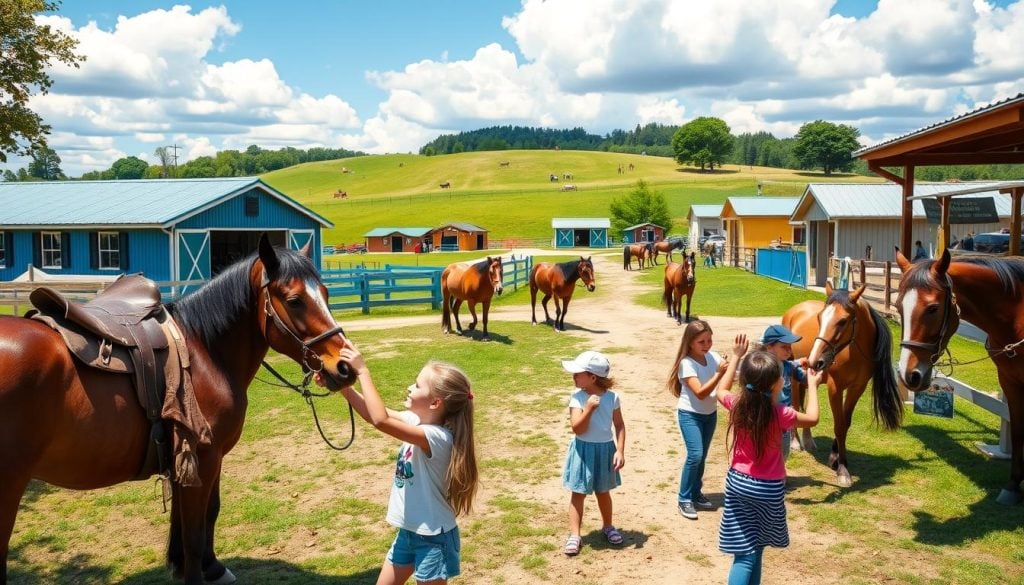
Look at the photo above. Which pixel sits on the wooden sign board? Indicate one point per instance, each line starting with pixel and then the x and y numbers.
pixel 963 210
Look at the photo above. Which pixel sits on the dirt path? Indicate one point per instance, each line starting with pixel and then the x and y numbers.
pixel 661 546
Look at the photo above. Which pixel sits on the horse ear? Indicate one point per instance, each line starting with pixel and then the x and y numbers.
pixel 902 261
pixel 268 256
pixel 856 294
pixel 828 288
pixel 942 264
pixel 305 251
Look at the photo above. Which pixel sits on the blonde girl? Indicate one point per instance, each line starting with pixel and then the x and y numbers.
pixel 694 376
pixel 436 474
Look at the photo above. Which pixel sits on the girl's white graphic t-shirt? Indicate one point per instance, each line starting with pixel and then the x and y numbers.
pixel 418 501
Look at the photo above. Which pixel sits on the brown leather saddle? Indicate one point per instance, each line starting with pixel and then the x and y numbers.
pixel 120 331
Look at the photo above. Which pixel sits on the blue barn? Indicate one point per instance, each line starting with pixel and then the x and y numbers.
pixel 172 229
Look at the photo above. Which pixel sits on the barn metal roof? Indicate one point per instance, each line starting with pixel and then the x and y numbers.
pixel 580 222
pixel 412 232
pixel 464 227
pixel 639 225
pixel 705 211
pixel 140 203
pixel 762 206
pixel 884 200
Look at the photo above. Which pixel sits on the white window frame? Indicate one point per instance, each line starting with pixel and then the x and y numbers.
pixel 3 249
pixel 51 257
pixel 104 254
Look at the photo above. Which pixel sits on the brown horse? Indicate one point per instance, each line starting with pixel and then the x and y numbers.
pixel 642 252
pixel 559 281
pixel 680 281
pixel 849 341
pixel 72 426
pixel 986 291
pixel 473 283
pixel 666 247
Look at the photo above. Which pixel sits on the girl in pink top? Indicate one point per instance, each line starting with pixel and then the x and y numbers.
pixel 754 514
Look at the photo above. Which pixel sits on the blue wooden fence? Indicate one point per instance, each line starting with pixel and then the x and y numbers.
pixel 789 266
pixel 404 285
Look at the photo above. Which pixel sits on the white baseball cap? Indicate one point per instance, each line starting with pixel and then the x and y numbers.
pixel 588 361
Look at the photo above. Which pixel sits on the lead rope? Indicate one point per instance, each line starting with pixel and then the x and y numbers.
pixel 308 396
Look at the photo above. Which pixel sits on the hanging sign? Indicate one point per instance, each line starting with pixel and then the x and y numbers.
pixel 963 210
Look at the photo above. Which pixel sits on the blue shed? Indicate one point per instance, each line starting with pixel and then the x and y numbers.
pixel 168 229
pixel 581 232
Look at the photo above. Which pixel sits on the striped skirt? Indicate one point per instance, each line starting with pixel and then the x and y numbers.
pixel 588 467
pixel 754 514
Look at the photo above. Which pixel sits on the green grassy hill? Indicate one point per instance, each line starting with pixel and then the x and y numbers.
pixel 517 201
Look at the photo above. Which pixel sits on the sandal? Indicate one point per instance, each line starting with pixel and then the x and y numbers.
pixel 573 545
pixel 613 536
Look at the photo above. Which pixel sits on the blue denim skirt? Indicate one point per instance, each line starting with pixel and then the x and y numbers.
pixel 588 467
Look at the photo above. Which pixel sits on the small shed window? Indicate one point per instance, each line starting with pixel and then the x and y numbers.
pixel 252 206
pixel 50 245
pixel 799 235
pixel 109 250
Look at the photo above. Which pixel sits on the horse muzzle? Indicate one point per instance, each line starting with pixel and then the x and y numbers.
pixel 498 291
pixel 337 376
pixel 591 287
pixel 917 378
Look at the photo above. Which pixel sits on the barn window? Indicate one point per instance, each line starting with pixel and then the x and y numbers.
pixel 252 206
pixel 384 241
pixel 109 251
pixel 3 250
pixel 50 245
pixel 799 235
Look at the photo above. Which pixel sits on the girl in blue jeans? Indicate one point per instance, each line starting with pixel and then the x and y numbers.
pixel 693 379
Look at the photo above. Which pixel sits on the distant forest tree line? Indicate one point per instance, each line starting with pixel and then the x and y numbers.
pixel 748 149
pixel 45 164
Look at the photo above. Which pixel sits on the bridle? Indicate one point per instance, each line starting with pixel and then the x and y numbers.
pixel 495 274
pixel 936 348
pixel 305 346
pixel 832 349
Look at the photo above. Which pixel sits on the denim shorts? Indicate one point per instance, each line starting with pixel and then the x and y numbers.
pixel 434 556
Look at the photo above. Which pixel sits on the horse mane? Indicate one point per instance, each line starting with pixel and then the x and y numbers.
pixel 482 266
pixel 570 269
pixel 842 297
pixel 1009 271
pixel 217 306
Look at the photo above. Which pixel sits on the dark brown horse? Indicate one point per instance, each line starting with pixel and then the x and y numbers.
pixel 559 281
pixel 680 281
pixel 986 291
pixel 849 341
pixel 473 283
pixel 642 252
pixel 76 427
pixel 666 247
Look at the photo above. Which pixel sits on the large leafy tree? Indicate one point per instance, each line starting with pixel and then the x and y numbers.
pixel 129 167
pixel 26 50
pixel 826 145
pixel 705 142
pixel 641 205
pixel 45 165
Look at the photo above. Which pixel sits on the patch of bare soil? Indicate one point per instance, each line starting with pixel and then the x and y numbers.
pixel 661 546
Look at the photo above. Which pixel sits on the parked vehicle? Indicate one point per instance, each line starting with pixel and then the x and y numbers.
pixel 994 243
pixel 357 249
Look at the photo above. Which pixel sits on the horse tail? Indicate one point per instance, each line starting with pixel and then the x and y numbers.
pixel 666 297
pixel 888 407
pixel 446 305
pixel 625 257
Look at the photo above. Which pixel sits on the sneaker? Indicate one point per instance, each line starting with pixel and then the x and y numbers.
pixel 702 503
pixel 687 510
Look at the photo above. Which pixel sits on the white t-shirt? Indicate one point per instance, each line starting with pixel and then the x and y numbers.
pixel 417 499
pixel 600 429
pixel 690 368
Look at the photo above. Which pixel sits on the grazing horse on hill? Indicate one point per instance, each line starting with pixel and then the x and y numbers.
pixel 445 185
pixel 642 252
pixel 667 247
pixel 83 426
pixel 849 341
pixel 680 281
pixel 474 283
pixel 559 281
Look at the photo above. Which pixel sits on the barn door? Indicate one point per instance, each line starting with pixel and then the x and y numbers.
pixel 299 238
pixel 598 238
pixel 193 251
pixel 563 238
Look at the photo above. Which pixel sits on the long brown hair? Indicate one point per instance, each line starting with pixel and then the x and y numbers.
pixel 450 384
pixel 693 329
pixel 754 412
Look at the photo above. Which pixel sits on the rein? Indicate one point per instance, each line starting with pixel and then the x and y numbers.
pixel 303 389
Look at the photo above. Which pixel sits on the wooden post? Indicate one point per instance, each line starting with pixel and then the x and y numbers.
pixel 907 224
pixel 364 293
pixel 863 273
pixel 1015 197
pixel 435 290
pixel 888 287
pixel 943 243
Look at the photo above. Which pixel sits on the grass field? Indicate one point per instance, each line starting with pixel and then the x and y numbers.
pixel 517 201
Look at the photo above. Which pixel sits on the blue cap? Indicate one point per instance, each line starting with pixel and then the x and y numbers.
pixel 777 334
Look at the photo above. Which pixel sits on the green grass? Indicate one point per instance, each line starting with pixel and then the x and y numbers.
pixel 513 202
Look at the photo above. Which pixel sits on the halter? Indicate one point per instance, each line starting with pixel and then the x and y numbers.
pixel 303 389
pixel 936 348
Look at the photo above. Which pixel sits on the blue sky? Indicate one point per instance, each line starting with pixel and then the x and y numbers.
pixel 388 76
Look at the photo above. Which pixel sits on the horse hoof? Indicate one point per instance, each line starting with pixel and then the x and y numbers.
pixel 844 480
pixel 795 446
pixel 1008 497
pixel 226 579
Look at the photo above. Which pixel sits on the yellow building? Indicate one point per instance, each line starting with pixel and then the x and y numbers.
pixel 757 222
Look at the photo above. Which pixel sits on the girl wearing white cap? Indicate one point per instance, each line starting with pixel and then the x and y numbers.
pixel 597 450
